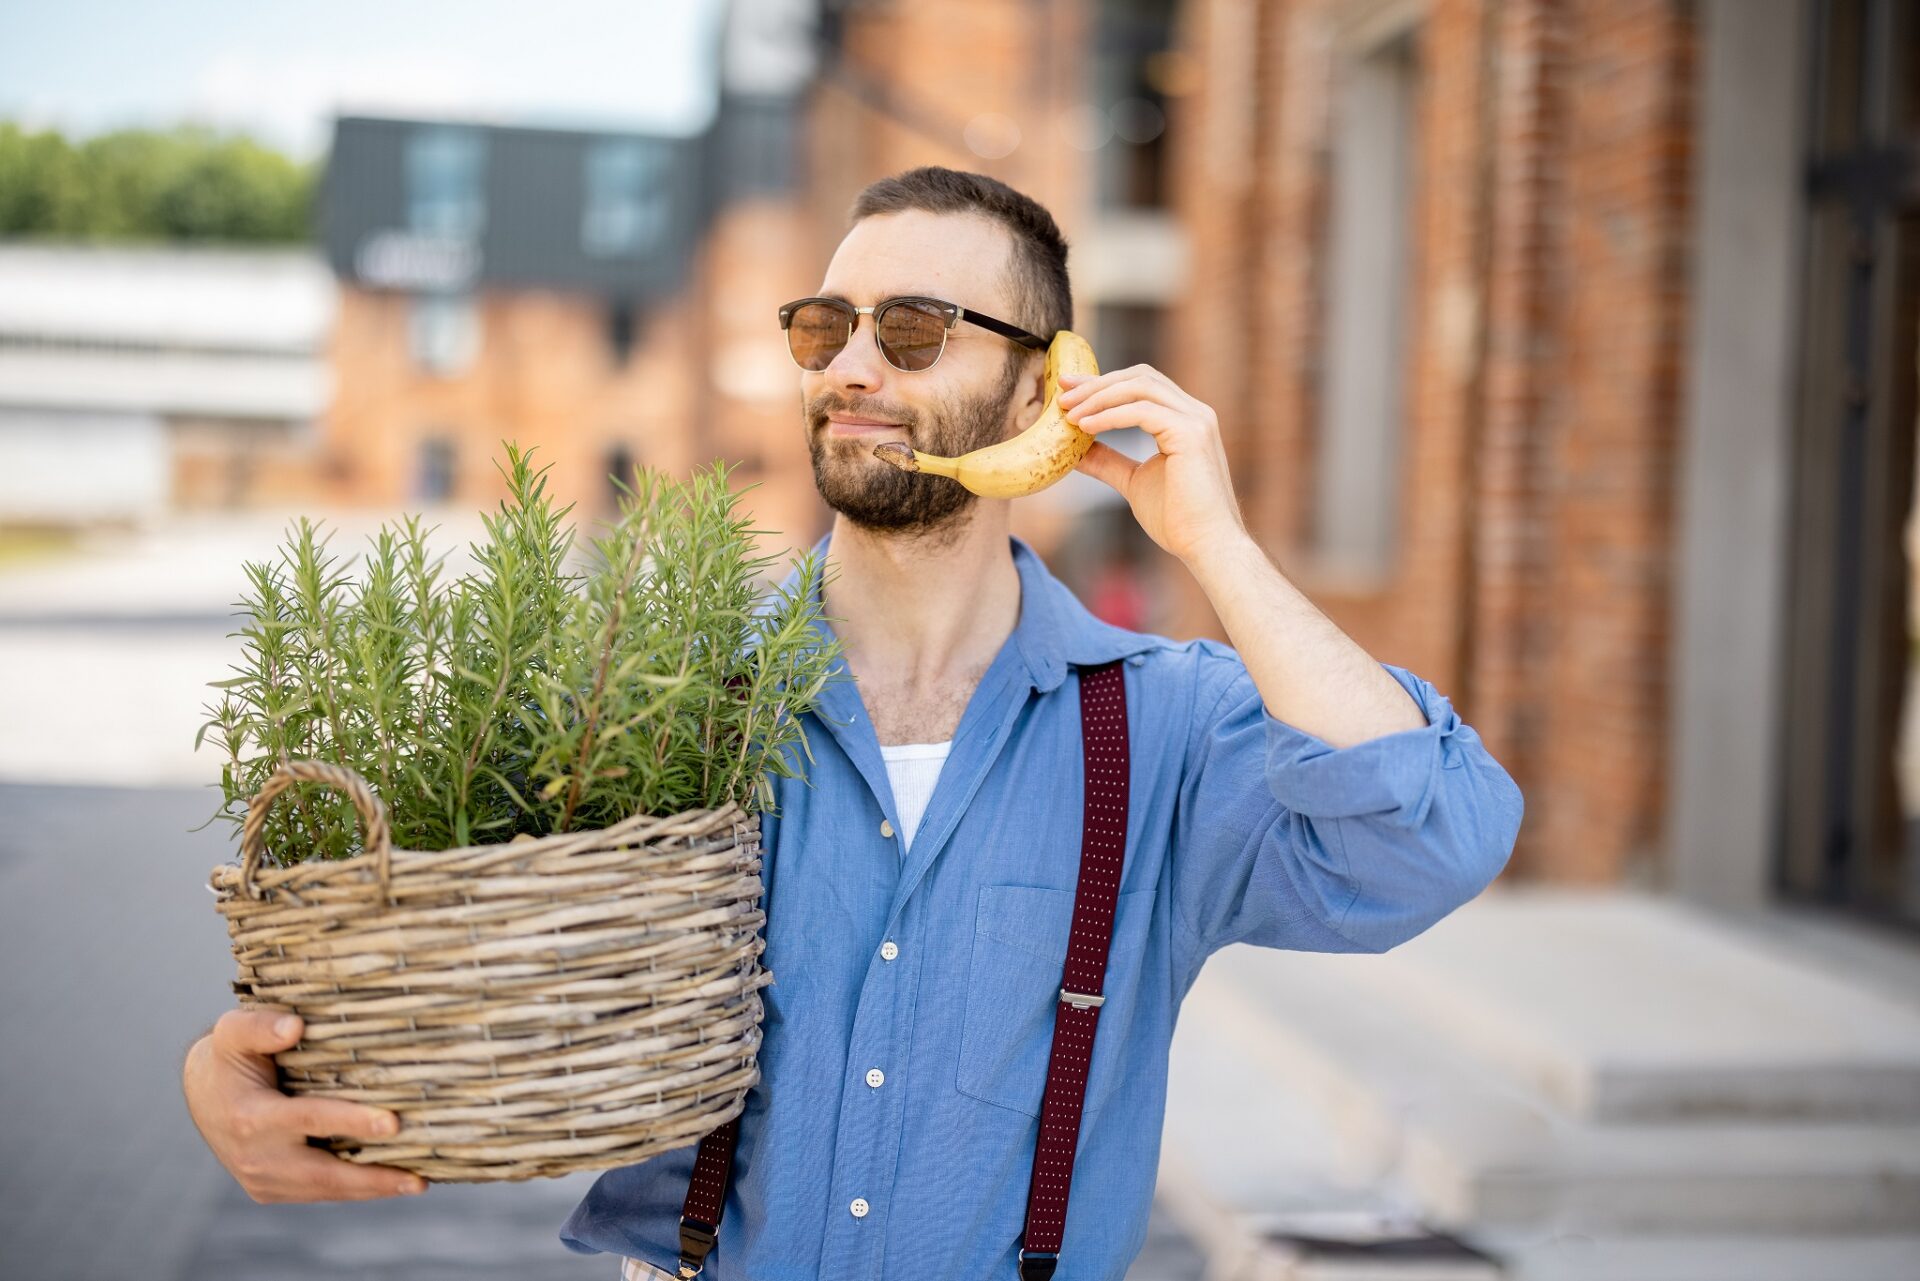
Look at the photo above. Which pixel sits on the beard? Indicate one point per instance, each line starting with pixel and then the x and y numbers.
pixel 876 495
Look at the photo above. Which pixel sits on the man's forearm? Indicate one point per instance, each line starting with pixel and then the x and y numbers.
pixel 1310 674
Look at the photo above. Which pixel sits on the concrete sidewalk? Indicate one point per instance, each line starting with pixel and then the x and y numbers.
pixel 112 960
pixel 106 649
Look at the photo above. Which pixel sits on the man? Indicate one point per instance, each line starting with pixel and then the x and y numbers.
pixel 1287 791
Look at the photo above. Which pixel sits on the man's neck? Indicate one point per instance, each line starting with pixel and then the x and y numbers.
pixel 918 613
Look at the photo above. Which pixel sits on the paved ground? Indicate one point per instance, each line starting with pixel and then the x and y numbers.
pixel 106 650
pixel 112 960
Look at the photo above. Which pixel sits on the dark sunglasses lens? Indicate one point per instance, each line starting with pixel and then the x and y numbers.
pixel 912 334
pixel 815 335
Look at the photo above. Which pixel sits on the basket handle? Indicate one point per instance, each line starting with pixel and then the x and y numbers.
pixel 372 813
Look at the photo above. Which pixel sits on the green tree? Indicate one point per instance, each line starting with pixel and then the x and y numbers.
pixel 137 184
pixel 41 189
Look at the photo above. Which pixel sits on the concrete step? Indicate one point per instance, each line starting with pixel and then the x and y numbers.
pixel 1741 1257
pixel 1247 1163
pixel 1243 1164
pixel 1625 1007
pixel 1473 1147
pixel 1738 1257
pixel 1235 1142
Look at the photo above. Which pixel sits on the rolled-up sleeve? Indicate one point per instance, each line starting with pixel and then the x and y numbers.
pixel 1283 840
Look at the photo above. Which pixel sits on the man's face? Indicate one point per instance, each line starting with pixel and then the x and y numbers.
pixel 964 402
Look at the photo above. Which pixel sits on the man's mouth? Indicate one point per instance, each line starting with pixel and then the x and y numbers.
pixel 838 425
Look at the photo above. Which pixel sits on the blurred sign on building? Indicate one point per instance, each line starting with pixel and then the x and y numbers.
pixel 433 205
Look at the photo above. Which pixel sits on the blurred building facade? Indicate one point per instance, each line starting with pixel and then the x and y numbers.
pixel 1557 345
pixel 1566 354
pixel 610 297
pixel 136 381
pixel 504 282
pixel 585 293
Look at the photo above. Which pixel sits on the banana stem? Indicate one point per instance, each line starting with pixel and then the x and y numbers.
pixel 907 458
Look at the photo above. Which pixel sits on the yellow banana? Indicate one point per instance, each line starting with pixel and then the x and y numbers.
pixel 1029 462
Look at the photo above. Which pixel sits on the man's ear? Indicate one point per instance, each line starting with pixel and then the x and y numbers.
pixel 1023 380
pixel 1031 391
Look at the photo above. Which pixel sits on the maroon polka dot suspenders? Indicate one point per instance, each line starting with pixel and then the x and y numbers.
pixel 1103 845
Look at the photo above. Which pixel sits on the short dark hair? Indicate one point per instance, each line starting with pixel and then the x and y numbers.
pixel 1042 294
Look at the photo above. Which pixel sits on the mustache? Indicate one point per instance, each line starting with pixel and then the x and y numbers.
pixel 820 413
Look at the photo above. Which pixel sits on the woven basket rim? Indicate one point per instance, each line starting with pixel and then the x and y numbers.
pixel 251 876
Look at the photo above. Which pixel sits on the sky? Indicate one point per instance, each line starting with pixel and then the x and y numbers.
pixel 278 69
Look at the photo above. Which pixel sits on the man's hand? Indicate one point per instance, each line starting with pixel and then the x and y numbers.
pixel 260 1134
pixel 1182 496
pixel 1310 674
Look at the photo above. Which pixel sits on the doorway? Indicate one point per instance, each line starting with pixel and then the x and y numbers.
pixel 1850 804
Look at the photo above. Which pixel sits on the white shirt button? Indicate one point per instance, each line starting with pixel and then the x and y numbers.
pixel 889 950
pixel 876 1078
pixel 859 1207
pixel 886 828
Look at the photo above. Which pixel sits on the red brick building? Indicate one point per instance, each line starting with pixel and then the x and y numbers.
pixel 1526 322
pixel 593 295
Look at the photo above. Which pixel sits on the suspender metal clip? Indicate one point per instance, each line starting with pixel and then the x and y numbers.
pixel 696 1240
pixel 1038 1265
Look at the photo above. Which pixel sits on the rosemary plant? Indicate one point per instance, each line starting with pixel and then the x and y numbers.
pixel 523 697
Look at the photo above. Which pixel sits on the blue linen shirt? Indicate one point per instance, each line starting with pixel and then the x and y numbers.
pixel 1241 828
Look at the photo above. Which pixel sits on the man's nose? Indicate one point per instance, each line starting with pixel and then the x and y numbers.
pixel 859 363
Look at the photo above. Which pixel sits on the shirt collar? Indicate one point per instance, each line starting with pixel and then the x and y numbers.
pixel 1055 630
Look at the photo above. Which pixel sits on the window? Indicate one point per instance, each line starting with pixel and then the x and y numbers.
pixel 621 327
pixel 625 212
pixel 1369 219
pixel 434 484
pixel 443 331
pixel 446 177
pixel 1127 333
pixel 1124 123
pixel 620 466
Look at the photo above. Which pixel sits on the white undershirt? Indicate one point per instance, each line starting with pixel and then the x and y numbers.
pixel 913 769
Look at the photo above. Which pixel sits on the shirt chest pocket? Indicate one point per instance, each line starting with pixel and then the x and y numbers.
pixel 1013 988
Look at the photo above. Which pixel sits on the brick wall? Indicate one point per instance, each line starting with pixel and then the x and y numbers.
pixel 709 376
pixel 1614 419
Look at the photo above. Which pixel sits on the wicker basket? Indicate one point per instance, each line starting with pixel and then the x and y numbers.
pixel 546 1005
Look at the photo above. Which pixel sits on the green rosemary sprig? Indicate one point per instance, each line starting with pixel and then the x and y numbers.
pixel 523 697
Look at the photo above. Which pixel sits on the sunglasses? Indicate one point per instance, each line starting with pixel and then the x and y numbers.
pixel 911 330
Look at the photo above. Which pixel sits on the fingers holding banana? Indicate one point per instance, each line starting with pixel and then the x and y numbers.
pixel 1121 398
pixel 1182 495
